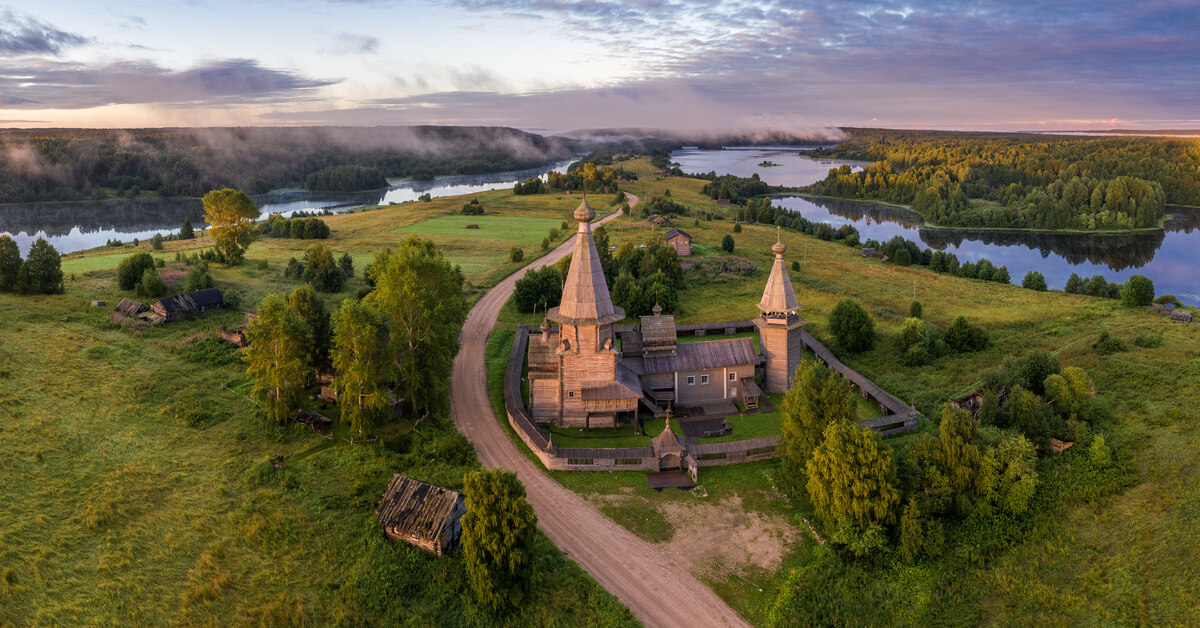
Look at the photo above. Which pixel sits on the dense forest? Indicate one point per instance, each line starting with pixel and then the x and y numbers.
pixel 1019 180
pixel 81 164
pixel 346 179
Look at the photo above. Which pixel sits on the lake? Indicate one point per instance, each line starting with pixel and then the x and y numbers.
pixel 80 225
pixel 1165 256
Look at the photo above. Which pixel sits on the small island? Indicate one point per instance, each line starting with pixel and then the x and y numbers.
pixel 766 163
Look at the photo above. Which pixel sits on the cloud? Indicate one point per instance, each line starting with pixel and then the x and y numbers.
pixel 25 35
pixel 351 43
pixel 54 85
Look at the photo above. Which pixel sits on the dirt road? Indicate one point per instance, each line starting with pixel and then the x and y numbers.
pixel 648 581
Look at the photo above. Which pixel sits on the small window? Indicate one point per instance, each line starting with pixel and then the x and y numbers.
pixel 703 379
pixel 571 393
pixel 733 376
pixel 691 380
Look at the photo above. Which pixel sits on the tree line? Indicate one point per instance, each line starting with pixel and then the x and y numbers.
pixel 1018 180
pixel 346 179
pixel 82 164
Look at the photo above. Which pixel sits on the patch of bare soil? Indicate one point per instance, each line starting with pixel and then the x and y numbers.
pixel 721 537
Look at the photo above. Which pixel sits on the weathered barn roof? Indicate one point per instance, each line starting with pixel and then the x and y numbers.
pixel 414 508
pixel 585 298
pixel 705 354
pixel 129 307
pixel 188 301
pixel 779 297
pixel 677 232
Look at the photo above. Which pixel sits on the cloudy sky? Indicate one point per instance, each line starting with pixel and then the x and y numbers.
pixel 564 64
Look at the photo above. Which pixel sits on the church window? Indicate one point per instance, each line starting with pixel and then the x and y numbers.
pixel 733 376
pixel 703 379
pixel 691 380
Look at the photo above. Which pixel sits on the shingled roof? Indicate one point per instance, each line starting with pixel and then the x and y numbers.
pixel 585 297
pixel 705 354
pixel 192 300
pixel 421 514
pixel 779 297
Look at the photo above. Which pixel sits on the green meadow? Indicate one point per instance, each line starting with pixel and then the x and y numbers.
pixel 141 486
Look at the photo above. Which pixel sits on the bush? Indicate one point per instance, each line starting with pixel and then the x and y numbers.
pixel 1034 280
pixel 963 337
pixel 152 285
pixel 1107 344
pixel 1148 340
pixel 1138 291
pixel 795 266
pixel 293 270
pixel 737 227
pixel 473 208
pixel 156 242
pixel 851 326
pixel 727 243
pixel 197 278
pixel 346 263
pixel 131 270
pixel 915 310
pixel 1169 298
pixel 516 254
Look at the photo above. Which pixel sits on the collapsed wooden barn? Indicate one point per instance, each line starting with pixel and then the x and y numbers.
pixel 425 516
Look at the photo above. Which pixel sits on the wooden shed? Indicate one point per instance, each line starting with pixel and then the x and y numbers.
pixel 423 515
pixel 871 253
pixel 130 308
pixel 659 220
pixel 679 240
pixel 1182 317
pixel 188 304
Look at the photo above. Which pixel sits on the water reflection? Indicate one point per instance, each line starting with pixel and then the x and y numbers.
pixel 75 226
pixel 1166 256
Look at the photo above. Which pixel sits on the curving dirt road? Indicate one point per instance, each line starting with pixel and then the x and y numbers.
pixel 642 576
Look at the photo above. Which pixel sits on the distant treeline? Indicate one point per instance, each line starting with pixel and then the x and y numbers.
pixel 81 164
pixel 346 179
pixel 1019 180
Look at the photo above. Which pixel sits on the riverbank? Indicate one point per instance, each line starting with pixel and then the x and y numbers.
pixel 933 225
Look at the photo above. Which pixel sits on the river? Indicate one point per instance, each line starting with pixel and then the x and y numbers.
pixel 80 225
pixel 1165 256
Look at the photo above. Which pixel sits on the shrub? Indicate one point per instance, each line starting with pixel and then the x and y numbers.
pixel 1169 298
pixel 197 278
pixel 132 268
pixel 1138 291
pixel 963 337
pixel 152 285
pixel 851 326
pixel 1034 280
pixel 1148 340
pixel 156 242
pixel 737 227
pixel 516 254
pixel 727 243
pixel 915 310
pixel 293 270
pixel 346 263
pixel 1107 344
pixel 473 208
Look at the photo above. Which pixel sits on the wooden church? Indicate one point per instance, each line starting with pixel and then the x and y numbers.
pixel 579 377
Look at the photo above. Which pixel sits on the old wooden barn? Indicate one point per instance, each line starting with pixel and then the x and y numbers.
pixel 188 304
pixel 423 515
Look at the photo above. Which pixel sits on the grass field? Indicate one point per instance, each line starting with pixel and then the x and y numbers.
pixel 141 488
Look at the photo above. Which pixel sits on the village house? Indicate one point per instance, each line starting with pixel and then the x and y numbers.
pixel 425 516
pixel 578 376
pixel 679 240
